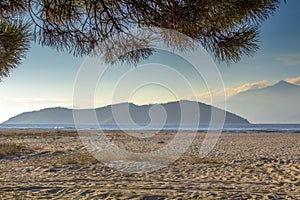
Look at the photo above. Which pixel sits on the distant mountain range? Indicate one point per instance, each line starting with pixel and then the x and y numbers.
pixel 139 114
pixel 279 103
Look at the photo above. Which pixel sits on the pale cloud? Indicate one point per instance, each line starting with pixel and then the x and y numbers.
pixel 10 107
pixel 248 86
pixel 295 80
pixel 229 92
pixel 39 100
pixel 290 59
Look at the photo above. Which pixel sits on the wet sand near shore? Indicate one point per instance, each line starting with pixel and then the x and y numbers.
pixel 54 164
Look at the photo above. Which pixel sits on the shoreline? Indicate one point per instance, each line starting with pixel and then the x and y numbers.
pixel 151 130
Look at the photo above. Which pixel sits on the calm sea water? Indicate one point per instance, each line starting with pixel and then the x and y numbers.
pixel 289 128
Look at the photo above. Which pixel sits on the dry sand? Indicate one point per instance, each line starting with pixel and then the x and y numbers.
pixel 55 164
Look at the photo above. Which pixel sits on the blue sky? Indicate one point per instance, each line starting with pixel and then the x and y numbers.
pixel 46 77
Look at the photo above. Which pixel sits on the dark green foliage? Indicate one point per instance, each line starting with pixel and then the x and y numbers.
pixel 226 28
pixel 14 35
pixel 14 43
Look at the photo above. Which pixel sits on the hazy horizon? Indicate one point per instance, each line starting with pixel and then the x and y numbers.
pixel 232 106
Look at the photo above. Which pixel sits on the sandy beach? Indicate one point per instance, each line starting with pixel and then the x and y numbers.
pixel 54 164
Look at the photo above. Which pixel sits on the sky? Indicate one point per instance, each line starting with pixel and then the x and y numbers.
pixel 46 77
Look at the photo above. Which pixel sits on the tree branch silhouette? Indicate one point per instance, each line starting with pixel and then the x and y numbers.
pixel 227 29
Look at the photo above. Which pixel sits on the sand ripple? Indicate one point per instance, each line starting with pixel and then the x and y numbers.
pixel 55 165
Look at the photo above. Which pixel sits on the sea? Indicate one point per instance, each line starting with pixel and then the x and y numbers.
pixel 249 128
